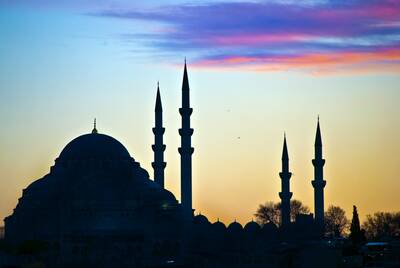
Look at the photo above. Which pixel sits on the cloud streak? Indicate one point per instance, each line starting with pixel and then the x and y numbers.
pixel 322 37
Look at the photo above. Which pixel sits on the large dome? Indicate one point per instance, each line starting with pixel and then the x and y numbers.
pixel 99 189
pixel 94 146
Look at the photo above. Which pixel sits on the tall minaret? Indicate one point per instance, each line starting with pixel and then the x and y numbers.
pixel 285 194
pixel 186 149
pixel 318 183
pixel 158 146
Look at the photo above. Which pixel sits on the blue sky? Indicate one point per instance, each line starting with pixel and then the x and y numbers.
pixel 64 63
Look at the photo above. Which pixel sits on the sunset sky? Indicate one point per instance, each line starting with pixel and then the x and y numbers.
pixel 257 69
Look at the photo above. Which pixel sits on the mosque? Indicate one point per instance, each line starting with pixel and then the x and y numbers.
pixel 98 207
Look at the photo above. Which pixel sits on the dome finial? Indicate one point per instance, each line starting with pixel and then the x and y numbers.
pixel 94 131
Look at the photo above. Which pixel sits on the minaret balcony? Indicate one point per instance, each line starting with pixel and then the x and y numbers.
pixel 158 165
pixel 158 147
pixel 318 184
pixel 318 162
pixel 185 131
pixel 185 150
pixel 185 111
pixel 158 130
pixel 285 175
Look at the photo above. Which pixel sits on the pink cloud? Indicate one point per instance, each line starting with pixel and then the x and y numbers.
pixel 253 39
pixel 267 35
pixel 318 63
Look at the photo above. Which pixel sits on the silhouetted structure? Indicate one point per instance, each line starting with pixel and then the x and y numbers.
pixel 285 195
pixel 186 149
pixel 96 199
pixel 98 208
pixel 158 146
pixel 318 183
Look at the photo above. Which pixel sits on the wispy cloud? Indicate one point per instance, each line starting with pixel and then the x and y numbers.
pixel 317 36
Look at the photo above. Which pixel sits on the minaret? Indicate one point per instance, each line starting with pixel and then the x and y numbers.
pixel 158 146
pixel 186 149
pixel 318 183
pixel 285 194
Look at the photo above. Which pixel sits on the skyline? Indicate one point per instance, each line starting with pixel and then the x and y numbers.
pixel 54 80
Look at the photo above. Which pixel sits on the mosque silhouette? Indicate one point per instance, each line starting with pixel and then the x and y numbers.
pixel 98 208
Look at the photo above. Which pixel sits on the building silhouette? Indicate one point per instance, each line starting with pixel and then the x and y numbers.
pixel 186 149
pixel 285 195
pixel 98 208
pixel 158 146
pixel 318 183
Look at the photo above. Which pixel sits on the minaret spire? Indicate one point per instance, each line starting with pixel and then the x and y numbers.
pixel 318 139
pixel 158 146
pixel 285 195
pixel 186 149
pixel 318 183
pixel 158 107
pixel 285 155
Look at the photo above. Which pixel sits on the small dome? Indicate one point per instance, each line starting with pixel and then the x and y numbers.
pixel 94 146
pixel 252 227
pixel 235 227
pixel 200 219
pixel 219 226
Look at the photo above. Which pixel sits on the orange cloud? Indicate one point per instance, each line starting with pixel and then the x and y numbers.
pixel 317 63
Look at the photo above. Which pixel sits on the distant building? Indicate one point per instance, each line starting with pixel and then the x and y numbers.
pixel 98 208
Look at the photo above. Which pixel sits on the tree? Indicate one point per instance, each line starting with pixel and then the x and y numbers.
pixel 382 224
pixel 270 212
pixel 336 221
pixel 296 208
pixel 357 235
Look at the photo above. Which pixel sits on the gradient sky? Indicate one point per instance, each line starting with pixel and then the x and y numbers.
pixel 256 69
